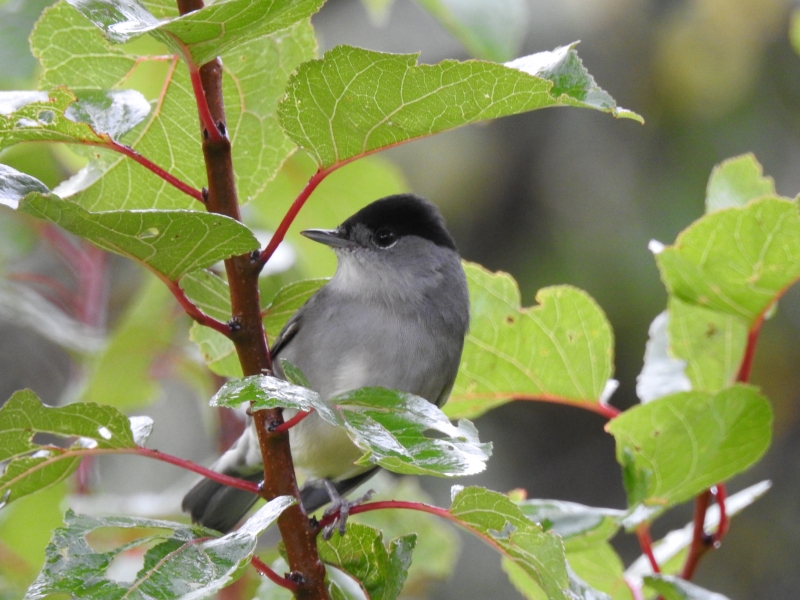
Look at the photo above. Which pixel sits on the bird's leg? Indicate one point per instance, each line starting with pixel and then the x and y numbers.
pixel 340 506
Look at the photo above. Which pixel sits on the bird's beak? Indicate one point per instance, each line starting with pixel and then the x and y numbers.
pixel 329 237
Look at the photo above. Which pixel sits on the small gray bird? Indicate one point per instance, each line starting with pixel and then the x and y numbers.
pixel 394 315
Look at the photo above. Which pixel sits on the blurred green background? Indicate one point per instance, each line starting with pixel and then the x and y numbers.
pixel 557 196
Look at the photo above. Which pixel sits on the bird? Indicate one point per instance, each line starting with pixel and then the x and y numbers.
pixel 394 315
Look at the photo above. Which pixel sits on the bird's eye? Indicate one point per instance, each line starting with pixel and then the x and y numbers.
pixel 385 237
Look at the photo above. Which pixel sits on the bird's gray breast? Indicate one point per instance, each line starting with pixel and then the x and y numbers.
pixel 342 346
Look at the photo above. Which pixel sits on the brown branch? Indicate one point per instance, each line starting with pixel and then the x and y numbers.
pixel 249 337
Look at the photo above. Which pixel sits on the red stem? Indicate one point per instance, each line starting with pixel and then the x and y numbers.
pixel 290 215
pixel 287 425
pixel 191 309
pixel 264 569
pixel 752 338
pixel 154 168
pixel 235 482
pixel 646 542
pixel 210 129
pixel 700 541
pixel 721 493
pixel 601 408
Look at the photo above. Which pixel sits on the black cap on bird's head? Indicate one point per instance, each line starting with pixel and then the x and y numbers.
pixel 388 220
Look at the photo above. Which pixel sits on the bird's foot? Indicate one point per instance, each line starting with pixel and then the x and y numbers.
pixel 340 506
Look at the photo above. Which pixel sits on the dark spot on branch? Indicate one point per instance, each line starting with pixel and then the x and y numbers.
pixel 296 577
pixel 204 195
pixel 235 324
pixel 205 133
pixel 223 131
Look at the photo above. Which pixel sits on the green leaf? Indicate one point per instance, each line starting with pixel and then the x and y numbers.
pixel 35 467
pixel 185 562
pixel 122 375
pixel 736 181
pixel 670 551
pixel 561 350
pixel 40 117
pixel 225 27
pixel 361 553
pixel 253 82
pixel 208 32
pixel 437 548
pixel 73 52
pixel 738 260
pixel 171 243
pixel 675 588
pixel 488 30
pixel 387 425
pixel 24 414
pixel 353 101
pixel 711 342
pixel 578 525
pixel 601 567
pixel 538 553
pixel 673 448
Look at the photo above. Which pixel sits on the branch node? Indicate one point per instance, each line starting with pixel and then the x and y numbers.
pixel 296 577
pixel 206 135
pixel 223 130
pixel 204 195
pixel 235 323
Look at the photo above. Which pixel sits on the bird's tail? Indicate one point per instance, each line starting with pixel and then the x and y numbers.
pixel 221 507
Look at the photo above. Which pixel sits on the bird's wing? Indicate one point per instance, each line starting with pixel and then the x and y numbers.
pixel 287 333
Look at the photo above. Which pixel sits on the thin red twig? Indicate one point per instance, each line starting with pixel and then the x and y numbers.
pixel 721 493
pixel 290 215
pixel 235 482
pixel 210 129
pixel 264 569
pixel 601 408
pixel 191 309
pixel 743 376
pixel 287 425
pixel 154 168
pixel 700 540
pixel 646 542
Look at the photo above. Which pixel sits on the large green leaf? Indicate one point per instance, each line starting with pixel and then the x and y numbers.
pixel 711 342
pixel 353 101
pixel 538 553
pixel 489 30
pixel 171 243
pixel 390 427
pixel 208 32
pixel 35 466
pixel 253 81
pixel 737 260
pixel 72 51
pixel 361 553
pixel 561 350
pixel 675 447
pixel 182 562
